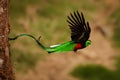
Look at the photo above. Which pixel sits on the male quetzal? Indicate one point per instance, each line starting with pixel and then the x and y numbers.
pixel 80 32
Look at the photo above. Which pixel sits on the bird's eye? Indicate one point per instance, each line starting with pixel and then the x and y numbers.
pixel 87 43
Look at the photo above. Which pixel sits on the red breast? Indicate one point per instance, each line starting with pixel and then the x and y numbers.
pixel 77 46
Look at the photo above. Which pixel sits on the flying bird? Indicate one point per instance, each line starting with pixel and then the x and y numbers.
pixel 80 32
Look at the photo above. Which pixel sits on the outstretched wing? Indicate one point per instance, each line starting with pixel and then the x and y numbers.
pixel 80 30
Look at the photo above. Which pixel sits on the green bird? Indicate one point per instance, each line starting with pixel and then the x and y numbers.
pixel 80 32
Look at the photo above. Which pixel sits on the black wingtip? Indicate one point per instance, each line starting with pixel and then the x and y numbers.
pixel 83 19
pixel 76 18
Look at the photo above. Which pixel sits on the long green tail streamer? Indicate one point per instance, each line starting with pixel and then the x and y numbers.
pixel 37 40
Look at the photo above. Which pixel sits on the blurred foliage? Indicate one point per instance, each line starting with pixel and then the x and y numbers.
pixel 49 20
pixel 50 16
pixel 96 72
pixel 116 19
pixel 117 72
pixel 93 72
pixel 23 61
pixel 17 7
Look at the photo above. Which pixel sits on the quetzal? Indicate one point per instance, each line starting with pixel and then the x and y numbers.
pixel 80 32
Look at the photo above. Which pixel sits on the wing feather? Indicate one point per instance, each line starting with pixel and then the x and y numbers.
pixel 80 30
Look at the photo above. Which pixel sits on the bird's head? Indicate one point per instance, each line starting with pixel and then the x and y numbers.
pixel 87 43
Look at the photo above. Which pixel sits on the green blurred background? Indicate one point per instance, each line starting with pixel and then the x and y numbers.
pixel 48 19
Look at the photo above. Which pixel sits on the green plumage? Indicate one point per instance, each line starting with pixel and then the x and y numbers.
pixel 67 46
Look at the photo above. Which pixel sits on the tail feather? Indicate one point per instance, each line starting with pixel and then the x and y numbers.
pixel 37 40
